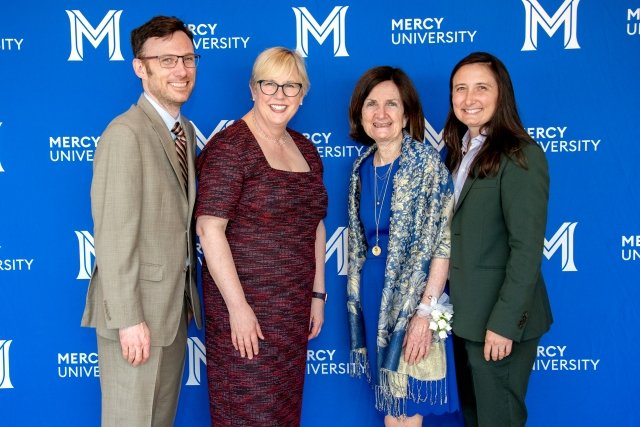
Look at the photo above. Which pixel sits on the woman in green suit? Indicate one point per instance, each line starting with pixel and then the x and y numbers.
pixel 501 186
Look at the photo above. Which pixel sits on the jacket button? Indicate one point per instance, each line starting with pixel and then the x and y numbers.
pixel 523 320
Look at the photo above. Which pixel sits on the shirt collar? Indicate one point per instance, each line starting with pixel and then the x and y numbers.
pixel 167 118
pixel 474 143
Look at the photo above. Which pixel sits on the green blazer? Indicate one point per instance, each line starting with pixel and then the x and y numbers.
pixel 497 239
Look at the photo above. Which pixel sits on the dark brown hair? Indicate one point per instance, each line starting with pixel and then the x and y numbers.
pixel 158 26
pixel 505 132
pixel 410 102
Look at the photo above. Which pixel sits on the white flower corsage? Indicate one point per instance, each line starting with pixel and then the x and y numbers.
pixel 440 314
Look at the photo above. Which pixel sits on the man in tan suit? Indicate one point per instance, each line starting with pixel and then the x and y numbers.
pixel 143 288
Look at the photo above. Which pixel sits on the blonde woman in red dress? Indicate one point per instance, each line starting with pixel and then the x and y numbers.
pixel 260 209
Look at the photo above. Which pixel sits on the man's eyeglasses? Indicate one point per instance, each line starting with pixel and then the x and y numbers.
pixel 269 87
pixel 170 61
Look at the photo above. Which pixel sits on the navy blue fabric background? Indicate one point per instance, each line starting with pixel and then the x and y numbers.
pixel 66 72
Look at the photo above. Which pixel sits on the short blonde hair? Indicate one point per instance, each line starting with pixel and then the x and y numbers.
pixel 276 60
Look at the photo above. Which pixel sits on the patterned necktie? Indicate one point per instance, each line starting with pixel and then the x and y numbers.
pixel 181 150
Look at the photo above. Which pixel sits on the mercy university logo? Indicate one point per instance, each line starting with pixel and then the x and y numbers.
pixel 566 15
pixel 202 140
pixel 86 254
pixel 433 137
pixel 109 27
pixel 196 357
pixel 562 239
pixel 5 379
pixel 335 23
pixel 337 244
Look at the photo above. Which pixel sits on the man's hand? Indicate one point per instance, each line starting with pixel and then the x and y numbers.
pixel 136 343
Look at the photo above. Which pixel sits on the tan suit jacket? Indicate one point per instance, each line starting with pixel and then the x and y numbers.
pixel 145 263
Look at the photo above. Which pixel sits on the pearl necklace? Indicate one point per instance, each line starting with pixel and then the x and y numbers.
pixel 283 139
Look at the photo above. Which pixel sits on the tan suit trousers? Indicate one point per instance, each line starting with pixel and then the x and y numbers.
pixel 145 396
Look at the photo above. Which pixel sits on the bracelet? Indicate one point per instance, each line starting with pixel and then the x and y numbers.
pixel 439 312
pixel 424 310
pixel 320 295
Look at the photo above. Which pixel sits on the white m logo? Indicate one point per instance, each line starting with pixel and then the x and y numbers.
pixel 202 140
pixel 564 239
pixel 338 244
pixel 5 379
pixel 197 356
pixel 335 23
pixel 80 27
pixel 86 252
pixel 566 15
pixel 432 136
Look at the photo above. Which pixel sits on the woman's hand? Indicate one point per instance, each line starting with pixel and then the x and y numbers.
pixel 417 340
pixel 317 317
pixel 245 330
pixel 496 347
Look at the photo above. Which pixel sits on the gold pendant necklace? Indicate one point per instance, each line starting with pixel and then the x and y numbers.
pixel 377 250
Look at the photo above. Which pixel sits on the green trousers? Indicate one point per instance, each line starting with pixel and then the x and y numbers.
pixel 492 393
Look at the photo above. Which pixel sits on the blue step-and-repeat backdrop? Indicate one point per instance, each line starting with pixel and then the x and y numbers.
pixel 66 72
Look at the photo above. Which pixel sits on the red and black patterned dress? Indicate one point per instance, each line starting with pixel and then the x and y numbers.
pixel 273 216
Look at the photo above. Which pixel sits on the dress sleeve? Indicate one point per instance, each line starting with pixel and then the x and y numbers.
pixel 220 178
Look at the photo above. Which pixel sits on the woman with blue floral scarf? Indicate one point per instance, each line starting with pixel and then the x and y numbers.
pixel 400 203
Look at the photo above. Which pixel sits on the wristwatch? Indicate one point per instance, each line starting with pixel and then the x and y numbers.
pixel 320 295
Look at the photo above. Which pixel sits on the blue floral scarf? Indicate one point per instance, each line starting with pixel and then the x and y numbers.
pixel 421 206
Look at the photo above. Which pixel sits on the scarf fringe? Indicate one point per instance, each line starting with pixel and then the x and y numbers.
pixel 359 364
pixel 395 388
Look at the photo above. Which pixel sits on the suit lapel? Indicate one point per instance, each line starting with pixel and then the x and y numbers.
pixel 465 190
pixel 165 138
